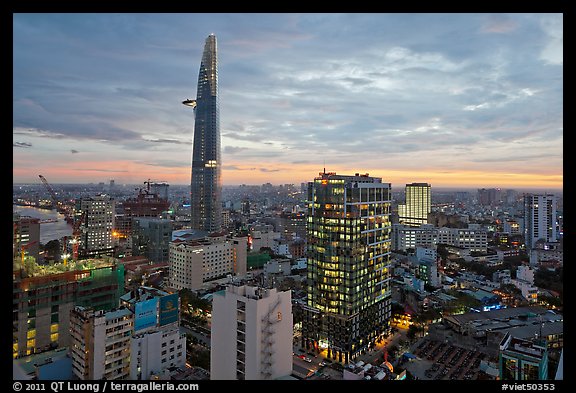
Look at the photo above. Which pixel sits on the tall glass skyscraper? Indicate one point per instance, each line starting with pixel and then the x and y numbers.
pixel 348 287
pixel 206 184
pixel 418 205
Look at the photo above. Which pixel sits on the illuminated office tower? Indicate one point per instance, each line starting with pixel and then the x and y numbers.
pixel 206 184
pixel 348 288
pixel 97 226
pixel 418 204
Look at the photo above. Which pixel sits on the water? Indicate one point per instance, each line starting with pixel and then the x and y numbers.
pixel 50 230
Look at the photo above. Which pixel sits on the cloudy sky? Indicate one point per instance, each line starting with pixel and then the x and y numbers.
pixel 455 100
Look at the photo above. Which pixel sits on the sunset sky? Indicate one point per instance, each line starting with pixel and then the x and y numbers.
pixel 454 100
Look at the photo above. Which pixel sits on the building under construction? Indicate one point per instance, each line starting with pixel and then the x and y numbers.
pixel 148 202
pixel 41 303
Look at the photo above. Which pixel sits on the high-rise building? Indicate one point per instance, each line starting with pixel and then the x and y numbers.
pixel 418 205
pixel 97 226
pixel 206 184
pixel 489 196
pixel 539 219
pixel 100 343
pixel 252 330
pixel 348 288
pixel 42 303
pixel 151 237
pixel 26 236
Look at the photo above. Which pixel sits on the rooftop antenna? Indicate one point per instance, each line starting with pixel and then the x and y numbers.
pixel 324 166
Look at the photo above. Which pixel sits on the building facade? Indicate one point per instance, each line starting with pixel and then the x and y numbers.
pixel 100 343
pixel 151 237
pixel 206 184
pixel 418 205
pixel 522 360
pixel 405 237
pixel 97 225
pixel 539 220
pixel 252 331
pixel 194 262
pixel 157 343
pixel 26 236
pixel 42 304
pixel 348 288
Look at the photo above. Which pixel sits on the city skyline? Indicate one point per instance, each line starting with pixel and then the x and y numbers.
pixel 453 102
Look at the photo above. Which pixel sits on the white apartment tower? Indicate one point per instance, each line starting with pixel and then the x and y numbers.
pixel 539 219
pixel 252 332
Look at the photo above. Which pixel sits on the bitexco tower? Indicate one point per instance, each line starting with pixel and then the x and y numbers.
pixel 206 183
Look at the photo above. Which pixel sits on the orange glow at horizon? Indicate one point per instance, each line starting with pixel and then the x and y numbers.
pixel 129 172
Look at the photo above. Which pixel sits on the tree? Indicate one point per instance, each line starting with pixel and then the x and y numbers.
pixel 52 250
pixel 411 334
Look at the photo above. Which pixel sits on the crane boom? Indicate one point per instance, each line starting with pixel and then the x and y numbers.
pixel 50 191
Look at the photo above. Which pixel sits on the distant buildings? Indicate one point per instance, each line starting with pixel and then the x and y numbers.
pixel 489 196
pixel 418 205
pixel 348 294
pixel 471 238
pixel 252 332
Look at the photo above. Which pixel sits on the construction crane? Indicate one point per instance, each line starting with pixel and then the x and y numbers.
pixel 67 211
pixel 23 248
pixel 57 203
pixel 76 235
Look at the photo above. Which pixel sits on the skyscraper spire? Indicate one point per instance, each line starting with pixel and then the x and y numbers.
pixel 206 184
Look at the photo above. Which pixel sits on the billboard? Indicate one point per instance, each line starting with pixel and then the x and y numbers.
pixel 168 309
pixel 145 314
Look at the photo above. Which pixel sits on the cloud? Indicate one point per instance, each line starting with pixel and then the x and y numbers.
pixel 166 163
pixel 99 170
pixel 553 51
pixel 22 144
pixel 174 141
pixel 236 168
pixel 498 24
pixel 361 90
pixel 234 149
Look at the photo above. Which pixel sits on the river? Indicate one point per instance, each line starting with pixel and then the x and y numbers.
pixel 50 230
